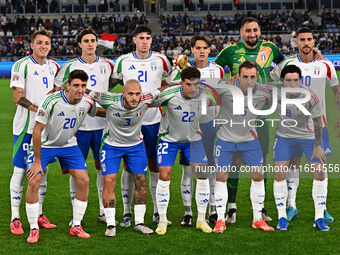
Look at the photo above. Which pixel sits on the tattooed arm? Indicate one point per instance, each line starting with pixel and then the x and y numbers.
pixel 318 151
pixel 336 92
pixel 20 99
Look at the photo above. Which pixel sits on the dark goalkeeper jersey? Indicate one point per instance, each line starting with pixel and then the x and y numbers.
pixel 263 55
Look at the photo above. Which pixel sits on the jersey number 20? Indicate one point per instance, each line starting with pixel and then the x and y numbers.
pixel 70 123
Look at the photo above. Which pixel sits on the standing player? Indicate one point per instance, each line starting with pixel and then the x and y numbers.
pixel 179 130
pixel 124 113
pixel 31 79
pixel 90 133
pixel 200 48
pixel 236 136
pixel 148 68
pixel 263 53
pixel 59 117
pixel 315 75
pixel 305 136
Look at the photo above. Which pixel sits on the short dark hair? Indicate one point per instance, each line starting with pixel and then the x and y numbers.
pixel 247 64
pixel 304 30
pixel 196 38
pixel 40 32
pixel 77 74
pixel 249 20
pixel 141 29
pixel 86 32
pixel 290 69
pixel 190 73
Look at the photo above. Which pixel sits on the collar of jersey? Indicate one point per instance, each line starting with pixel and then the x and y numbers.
pixel 33 60
pixel 255 87
pixel 193 64
pixel 197 96
pixel 62 93
pixel 135 55
pixel 63 96
pixel 83 61
pixel 300 60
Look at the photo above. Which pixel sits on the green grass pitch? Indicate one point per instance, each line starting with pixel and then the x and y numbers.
pixel 239 238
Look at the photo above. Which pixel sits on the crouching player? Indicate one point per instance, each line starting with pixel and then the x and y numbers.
pixel 235 135
pixel 302 137
pixel 179 130
pixel 121 139
pixel 58 119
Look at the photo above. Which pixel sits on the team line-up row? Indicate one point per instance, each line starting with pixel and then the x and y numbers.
pixel 136 110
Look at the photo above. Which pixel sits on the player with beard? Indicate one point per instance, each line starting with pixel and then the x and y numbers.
pixel 148 68
pixel 263 53
pixel 315 76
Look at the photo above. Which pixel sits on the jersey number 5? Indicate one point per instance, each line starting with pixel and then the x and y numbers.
pixel 93 79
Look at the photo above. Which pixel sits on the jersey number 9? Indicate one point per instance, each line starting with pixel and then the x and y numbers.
pixel 45 81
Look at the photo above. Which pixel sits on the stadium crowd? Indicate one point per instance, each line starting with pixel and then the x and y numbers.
pixel 283 22
pixel 14 33
pixel 66 26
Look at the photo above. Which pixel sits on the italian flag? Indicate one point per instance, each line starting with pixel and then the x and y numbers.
pixel 107 40
pixel 293 34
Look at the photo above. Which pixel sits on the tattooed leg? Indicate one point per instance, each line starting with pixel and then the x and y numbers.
pixel 140 190
pixel 140 203
pixel 109 196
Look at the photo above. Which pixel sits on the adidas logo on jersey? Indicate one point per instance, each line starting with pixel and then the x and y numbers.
pixel 35 73
pixel 242 59
pixel 61 114
pixel 132 67
pixel 116 114
pixel 178 108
